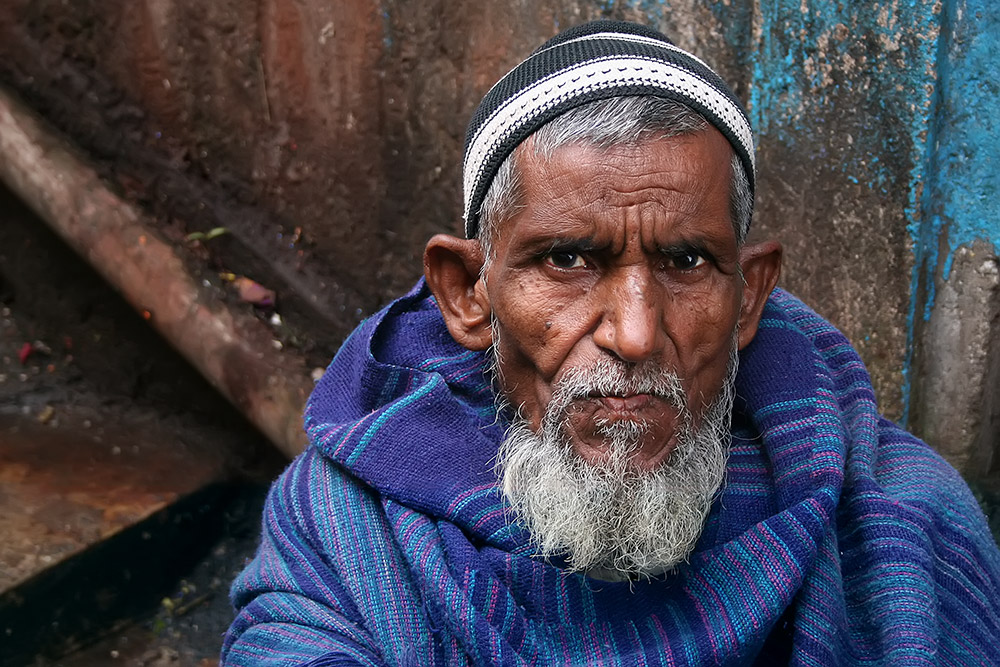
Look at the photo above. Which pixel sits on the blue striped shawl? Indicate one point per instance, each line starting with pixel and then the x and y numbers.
pixel 838 535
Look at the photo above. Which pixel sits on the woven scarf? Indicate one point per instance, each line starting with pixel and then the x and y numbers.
pixel 838 538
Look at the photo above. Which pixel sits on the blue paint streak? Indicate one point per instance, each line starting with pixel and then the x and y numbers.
pixel 921 236
pixel 387 39
pixel 965 187
pixel 962 186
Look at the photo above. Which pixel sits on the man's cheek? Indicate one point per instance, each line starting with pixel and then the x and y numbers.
pixel 538 339
pixel 697 331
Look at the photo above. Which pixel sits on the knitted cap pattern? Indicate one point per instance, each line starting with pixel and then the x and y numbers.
pixel 590 62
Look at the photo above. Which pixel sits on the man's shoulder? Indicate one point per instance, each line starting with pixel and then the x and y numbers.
pixel 912 472
pixel 802 381
pixel 908 494
pixel 315 487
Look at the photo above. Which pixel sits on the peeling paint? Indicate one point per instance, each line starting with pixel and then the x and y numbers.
pixel 958 203
pixel 810 55
pixel 926 67
pixel 961 199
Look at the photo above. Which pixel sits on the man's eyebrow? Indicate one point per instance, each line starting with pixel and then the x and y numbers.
pixel 686 245
pixel 696 236
pixel 584 243
pixel 539 240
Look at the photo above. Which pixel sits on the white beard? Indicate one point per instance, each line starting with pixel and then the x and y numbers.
pixel 610 519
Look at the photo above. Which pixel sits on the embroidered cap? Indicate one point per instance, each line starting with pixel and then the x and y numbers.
pixel 594 61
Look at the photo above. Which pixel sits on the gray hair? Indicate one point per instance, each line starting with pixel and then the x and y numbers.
pixel 606 123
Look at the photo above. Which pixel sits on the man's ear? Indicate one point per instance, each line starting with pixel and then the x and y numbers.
pixel 761 263
pixel 451 267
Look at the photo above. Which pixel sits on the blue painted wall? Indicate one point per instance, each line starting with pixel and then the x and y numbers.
pixel 900 99
pixel 960 202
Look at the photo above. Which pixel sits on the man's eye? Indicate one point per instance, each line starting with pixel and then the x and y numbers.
pixel 564 259
pixel 685 261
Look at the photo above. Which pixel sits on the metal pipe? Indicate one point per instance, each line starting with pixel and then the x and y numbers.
pixel 231 348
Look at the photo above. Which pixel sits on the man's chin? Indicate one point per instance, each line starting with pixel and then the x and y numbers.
pixel 648 454
pixel 606 520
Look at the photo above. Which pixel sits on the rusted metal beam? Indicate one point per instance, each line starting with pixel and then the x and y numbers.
pixel 229 346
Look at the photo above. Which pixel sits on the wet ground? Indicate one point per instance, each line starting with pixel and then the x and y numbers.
pixel 142 486
pixel 185 626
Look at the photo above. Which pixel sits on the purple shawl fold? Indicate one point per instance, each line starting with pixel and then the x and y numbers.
pixel 838 539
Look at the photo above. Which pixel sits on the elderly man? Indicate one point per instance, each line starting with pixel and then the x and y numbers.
pixel 544 453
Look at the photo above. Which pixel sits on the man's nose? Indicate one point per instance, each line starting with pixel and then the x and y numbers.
pixel 631 327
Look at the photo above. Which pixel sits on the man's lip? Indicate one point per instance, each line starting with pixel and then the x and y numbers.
pixel 657 412
pixel 630 403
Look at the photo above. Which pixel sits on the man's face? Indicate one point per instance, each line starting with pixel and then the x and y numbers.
pixel 623 254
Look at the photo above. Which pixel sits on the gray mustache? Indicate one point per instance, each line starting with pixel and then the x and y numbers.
pixel 610 377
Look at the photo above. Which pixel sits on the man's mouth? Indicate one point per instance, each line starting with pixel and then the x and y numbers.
pixel 591 420
pixel 625 405
pixel 639 406
pixel 614 412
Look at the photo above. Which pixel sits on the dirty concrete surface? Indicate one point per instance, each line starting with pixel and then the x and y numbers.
pixel 184 626
pixel 130 490
pixel 960 401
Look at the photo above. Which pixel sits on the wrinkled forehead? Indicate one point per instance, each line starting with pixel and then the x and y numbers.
pixel 595 61
pixel 651 193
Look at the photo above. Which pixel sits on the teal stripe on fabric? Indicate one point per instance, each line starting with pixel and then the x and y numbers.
pixel 388 414
pixel 434 364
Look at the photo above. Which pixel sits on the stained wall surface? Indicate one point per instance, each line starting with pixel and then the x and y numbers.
pixel 327 137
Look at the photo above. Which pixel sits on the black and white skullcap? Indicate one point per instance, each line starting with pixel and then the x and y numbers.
pixel 594 61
